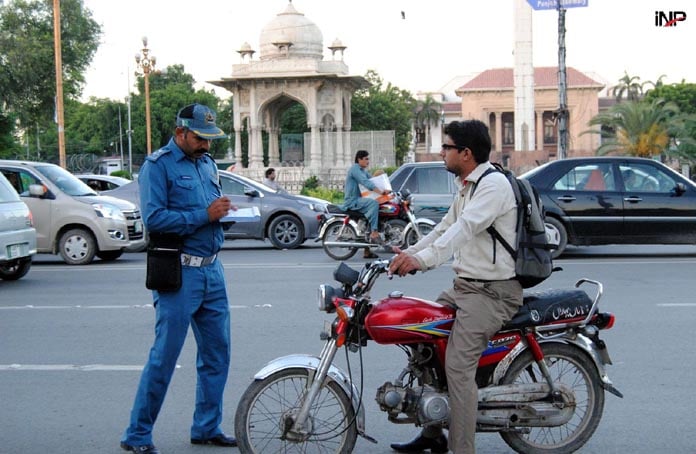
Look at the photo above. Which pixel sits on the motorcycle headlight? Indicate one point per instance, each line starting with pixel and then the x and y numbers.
pixel 325 296
pixel 105 210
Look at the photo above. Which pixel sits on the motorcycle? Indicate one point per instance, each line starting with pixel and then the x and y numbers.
pixel 541 380
pixel 344 232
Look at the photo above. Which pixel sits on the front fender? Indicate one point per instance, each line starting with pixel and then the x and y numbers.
pixel 304 361
pixel 418 222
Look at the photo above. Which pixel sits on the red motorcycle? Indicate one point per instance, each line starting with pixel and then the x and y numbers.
pixel 541 380
pixel 343 233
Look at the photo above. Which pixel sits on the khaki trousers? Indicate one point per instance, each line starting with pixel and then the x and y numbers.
pixel 482 309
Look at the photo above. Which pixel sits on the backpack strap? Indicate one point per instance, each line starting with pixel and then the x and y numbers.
pixel 491 230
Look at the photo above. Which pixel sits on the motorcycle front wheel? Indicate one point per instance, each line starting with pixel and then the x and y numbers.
pixel 424 228
pixel 266 410
pixel 338 232
pixel 572 367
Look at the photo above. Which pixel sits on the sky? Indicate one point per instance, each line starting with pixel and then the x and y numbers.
pixel 437 42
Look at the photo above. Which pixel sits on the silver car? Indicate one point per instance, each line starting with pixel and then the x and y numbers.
pixel 287 220
pixel 17 233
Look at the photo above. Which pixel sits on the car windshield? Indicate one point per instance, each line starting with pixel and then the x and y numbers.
pixel 66 181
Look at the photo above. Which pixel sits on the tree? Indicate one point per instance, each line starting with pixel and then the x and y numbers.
pixel 27 72
pixel 684 96
pixel 427 113
pixel 639 128
pixel 628 87
pixel 384 108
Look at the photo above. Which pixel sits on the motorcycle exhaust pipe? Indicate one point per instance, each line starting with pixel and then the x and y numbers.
pixel 349 244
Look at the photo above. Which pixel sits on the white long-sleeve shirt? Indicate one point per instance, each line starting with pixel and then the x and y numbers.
pixel 462 232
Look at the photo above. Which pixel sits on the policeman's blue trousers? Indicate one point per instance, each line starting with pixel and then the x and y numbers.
pixel 370 208
pixel 201 303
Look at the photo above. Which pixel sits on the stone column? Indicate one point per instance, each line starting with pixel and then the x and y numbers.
pixel 256 152
pixel 238 147
pixel 540 130
pixel 340 158
pixel 499 131
pixel 315 148
pixel 273 148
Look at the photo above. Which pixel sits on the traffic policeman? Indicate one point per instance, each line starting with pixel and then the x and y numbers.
pixel 180 196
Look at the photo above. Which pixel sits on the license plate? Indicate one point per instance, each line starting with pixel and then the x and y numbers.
pixel 138 227
pixel 14 250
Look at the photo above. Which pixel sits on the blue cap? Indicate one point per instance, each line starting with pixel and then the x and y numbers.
pixel 200 120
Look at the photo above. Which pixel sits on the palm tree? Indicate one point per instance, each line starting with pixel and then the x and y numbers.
pixel 638 128
pixel 427 113
pixel 629 86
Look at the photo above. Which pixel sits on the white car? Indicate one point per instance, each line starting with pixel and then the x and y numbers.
pixel 17 233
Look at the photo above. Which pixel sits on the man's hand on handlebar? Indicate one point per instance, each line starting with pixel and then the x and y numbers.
pixel 403 264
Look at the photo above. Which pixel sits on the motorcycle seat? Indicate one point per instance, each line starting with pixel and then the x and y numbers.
pixel 353 214
pixel 551 306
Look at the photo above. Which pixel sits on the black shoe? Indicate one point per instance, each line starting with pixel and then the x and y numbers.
pixel 217 440
pixel 143 449
pixel 370 255
pixel 421 443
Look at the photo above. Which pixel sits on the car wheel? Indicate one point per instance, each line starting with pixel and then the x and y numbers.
pixel 109 256
pixel 286 232
pixel 17 270
pixel 77 247
pixel 556 234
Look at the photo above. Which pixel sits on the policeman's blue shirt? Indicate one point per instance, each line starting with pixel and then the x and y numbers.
pixel 175 192
pixel 356 176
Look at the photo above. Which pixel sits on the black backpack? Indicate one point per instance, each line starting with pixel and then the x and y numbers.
pixel 532 254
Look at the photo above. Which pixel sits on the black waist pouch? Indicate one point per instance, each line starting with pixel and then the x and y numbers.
pixel 164 262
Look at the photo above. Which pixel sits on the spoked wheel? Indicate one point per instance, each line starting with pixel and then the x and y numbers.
pixel 412 238
pixel 572 367
pixel 268 407
pixel 337 232
pixel 394 233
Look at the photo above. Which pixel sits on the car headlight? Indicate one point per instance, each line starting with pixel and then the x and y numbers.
pixel 318 207
pixel 105 210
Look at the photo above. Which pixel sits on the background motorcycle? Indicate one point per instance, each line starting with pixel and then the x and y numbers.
pixel 342 233
pixel 541 380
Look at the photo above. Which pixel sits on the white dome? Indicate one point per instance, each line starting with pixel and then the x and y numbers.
pixel 304 37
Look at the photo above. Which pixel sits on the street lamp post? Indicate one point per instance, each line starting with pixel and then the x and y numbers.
pixel 146 63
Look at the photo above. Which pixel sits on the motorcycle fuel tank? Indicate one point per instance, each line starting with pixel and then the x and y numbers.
pixel 401 320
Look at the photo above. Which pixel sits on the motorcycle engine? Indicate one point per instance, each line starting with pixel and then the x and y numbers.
pixel 421 404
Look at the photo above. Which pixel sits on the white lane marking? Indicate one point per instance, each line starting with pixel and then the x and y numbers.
pixel 677 305
pixel 74 367
pixel 79 306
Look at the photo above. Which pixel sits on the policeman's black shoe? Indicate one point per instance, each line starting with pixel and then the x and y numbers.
pixel 142 449
pixel 436 445
pixel 217 440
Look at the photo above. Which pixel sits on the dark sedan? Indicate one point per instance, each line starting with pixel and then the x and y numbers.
pixel 616 200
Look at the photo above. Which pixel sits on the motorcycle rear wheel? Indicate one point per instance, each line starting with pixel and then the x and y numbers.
pixel 261 413
pixel 572 367
pixel 347 234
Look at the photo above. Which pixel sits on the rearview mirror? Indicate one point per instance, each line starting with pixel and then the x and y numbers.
pixel 251 192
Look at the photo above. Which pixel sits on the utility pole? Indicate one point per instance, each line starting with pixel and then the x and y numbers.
pixel 59 83
pixel 562 92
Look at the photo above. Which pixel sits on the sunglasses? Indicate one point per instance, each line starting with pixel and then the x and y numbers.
pixel 446 146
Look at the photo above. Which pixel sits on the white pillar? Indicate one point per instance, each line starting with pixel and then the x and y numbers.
pixel 523 75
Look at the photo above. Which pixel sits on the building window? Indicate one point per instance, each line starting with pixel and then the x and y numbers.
pixel 508 121
pixel 550 129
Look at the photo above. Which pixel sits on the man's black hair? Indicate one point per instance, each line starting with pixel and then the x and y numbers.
pixel 361 154
pixel 471 134
pixel 269 171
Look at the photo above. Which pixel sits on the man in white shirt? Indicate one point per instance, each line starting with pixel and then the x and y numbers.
pixel 485 293
pixel 270 179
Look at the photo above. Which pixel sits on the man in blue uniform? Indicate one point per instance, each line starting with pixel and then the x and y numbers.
pixel 180 194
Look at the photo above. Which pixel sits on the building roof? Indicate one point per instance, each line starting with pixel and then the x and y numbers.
pixel 544 77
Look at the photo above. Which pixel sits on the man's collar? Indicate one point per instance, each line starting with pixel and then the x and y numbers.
pixel 474 175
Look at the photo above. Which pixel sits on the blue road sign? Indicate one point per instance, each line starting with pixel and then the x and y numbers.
pixel 553 4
